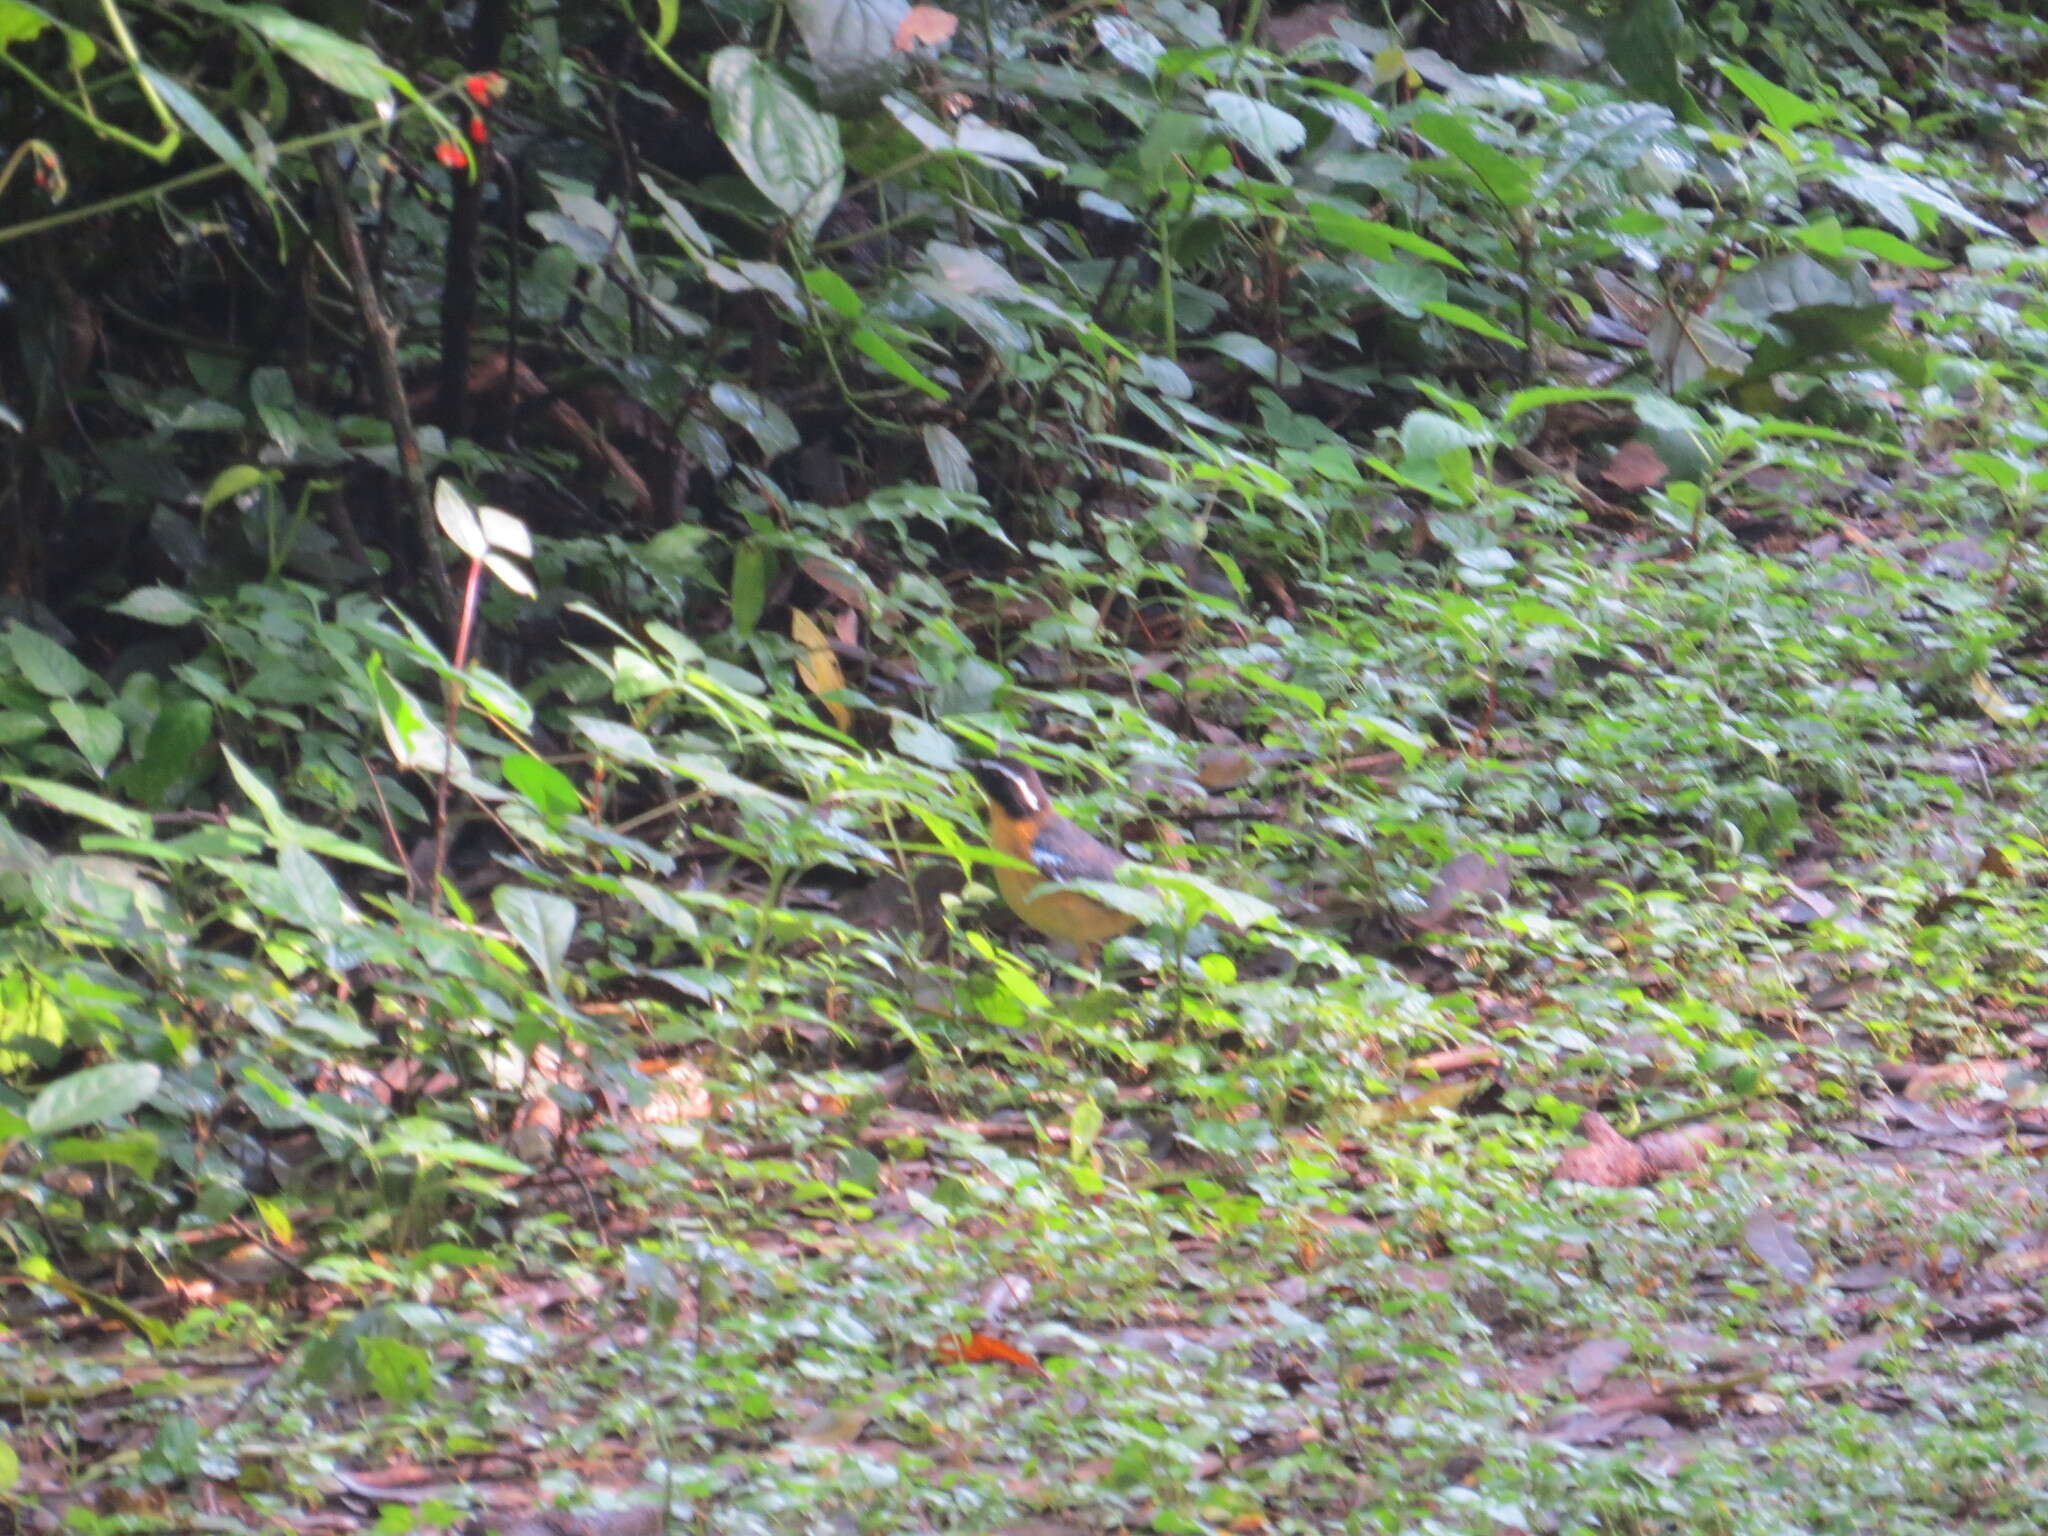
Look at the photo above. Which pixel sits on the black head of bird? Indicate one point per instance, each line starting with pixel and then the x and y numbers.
pixel 1023 825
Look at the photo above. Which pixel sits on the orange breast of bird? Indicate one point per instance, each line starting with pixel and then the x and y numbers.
pixel 1058 851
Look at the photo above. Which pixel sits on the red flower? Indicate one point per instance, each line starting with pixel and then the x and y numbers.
pixel 478 132
pixel 484 89
pixel 451 154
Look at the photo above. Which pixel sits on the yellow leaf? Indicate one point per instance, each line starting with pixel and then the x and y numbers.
pixel 1995 705
pixel 818 668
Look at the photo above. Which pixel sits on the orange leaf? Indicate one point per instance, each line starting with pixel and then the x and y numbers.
pixel 980 1349
pixel 817 667
pixel 926 24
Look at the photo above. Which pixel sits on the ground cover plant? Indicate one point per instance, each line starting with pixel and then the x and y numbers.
pixel 1521 521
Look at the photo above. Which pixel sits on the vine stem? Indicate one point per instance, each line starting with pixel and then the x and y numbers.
pixel 205 173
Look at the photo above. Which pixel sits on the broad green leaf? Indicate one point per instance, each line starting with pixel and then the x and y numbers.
pixel 94 730
pixel 133 1148
pixel 95 1096
pixel 1368 237
pixel 1507 179
pixel 662 907
pixel 852 44
pixel 546 787
pixel 348 66
pixel 29 1016
pixel 48 668
pixel 542 924
pixel 158 605
pixel 1781 108
pixel 789 151
pixel 83 804
pixel 823 283
pixel 1259 126
pixel 762 419
pixel 1130 44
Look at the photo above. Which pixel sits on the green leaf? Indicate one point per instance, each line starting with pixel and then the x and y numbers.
pixel 852 44
pixel 1781 109
pixel 893 362
pixel 923 742
pixel 788 150
pixel 349 67
pixel 133 1148
pixel 1509 181
pixel 95 731
pixel 763 420
pixel 823 283
pixel 48 668
pixel 1470 320
pixel 1369 237
pixel 173 752
pixel 541 924
pixel 1130 44
pixel 1259 126
pixel 158 605
pixel 1523 401
pixel 210 130
pixel 749 586
pixel 83 804
pixel 545 786
pixel 1644 41
pixel 95 1096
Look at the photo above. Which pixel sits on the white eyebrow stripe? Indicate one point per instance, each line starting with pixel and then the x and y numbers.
pixel 1028 795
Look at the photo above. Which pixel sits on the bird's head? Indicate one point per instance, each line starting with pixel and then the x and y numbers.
pixel 1012 787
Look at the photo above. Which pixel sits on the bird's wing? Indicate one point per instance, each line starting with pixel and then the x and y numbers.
pixel 1064 852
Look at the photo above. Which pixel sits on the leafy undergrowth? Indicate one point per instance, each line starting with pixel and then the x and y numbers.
pixel 1257 1230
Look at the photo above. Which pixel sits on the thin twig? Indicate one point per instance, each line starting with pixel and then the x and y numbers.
pixel 383 344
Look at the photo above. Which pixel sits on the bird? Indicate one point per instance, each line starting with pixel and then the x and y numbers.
pixel 1023 825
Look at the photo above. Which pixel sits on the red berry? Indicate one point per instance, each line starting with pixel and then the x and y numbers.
pixel 451 154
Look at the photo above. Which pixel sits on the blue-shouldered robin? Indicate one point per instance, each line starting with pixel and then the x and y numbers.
pixel 1023 824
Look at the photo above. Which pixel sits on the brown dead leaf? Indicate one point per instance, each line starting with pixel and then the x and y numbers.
pixel 1470 881
pixel 1774 1242
pixel 1681 1149
pixel 1635 467
pixel 838 579
pixel 1587 1367
pixel 1608 1160
pixel 925 24
pixel 1957 1079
